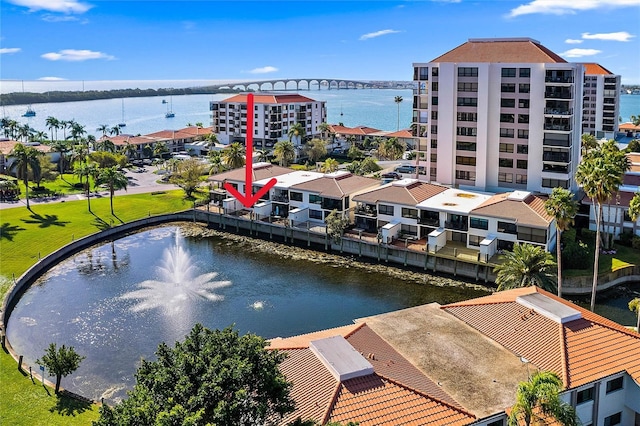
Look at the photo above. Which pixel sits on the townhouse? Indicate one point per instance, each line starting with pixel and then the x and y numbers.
pixel 498 115
pixel 6 146
pixel 461 363
pixel 276 201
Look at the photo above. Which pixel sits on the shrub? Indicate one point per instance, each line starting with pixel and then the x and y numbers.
pixel 575 255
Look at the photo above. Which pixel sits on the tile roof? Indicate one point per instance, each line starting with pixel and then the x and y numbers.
pixel 7 146
pixel 593 69
pixel 529 211
pixel 259 172
pixel 406 195
pixel 171 134
pixel 397 393
pixel 269 99
pixel 517 50
pixel 356 131
pixel 629 127
pixel 579 351
pixel 196 131
pixel 337 186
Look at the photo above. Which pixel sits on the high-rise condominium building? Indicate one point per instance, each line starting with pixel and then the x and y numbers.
pixel 499 114
pixel 273 117
pixel 600 102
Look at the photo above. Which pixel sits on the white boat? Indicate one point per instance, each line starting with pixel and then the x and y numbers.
pixel 170 113
pixel 122 123
pixel 30 112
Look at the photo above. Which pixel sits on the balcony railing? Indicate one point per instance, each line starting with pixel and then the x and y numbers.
pixel 366 211
pixel 558 95
pixel 556 142
pixel 461 226
pixel 428 221
pixel 555 157
pixel 559 127
pixel 280 198
pixel 556 111
pixel 558 79
pixel 551 168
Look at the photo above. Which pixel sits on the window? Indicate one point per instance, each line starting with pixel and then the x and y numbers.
pixel 434 115
pixel 508 88
pixel 508 72
pixel 614 419
pixel 434 158
pixel 523 134
pixel 506 133
pixel 507 118
pixel 522 164
pixel 525 72
pixel 505 162
pixel 467 87
pixel 467 72
pixel 315 214
pixel 507 103
pixel 465 175
pixel 295 196
pixel 523 118
pixel 434 129
pixel 505 177
pixel 468 102
pixel 584 395
pixel 532 234
pixel 553 183
pixel 468 116
pixel 434 86
pixel 507 228
pixel 465 146
pixel 474 222
pixel 615 384
pixel 523 103
pixel 434 143
pixel 474 240
pixel 315 199
pixel 465 161
pixel 422 73
pixel 410 213
pixel 524 88
pixel 506 147
pixel 466 131
pixel 434 71
pixel 521 179
pixel 384 209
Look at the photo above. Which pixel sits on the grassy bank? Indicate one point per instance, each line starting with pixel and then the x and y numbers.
pixel 24 236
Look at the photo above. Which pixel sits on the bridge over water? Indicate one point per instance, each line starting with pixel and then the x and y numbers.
pixel 296 84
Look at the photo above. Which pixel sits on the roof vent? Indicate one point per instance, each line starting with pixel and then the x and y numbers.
pixel 404 182
pixel 550 308
pixel 261 165
pixel 341 359
pixel 340 174
pixel 518 195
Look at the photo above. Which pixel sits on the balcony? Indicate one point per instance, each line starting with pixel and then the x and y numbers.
pixel 558 79
pixel 457 225
pixel 558 94
pixel 558 127
pixel 366 210
pixel 554 168
pixel 557 111
pixel 556 157
pixel 280 198
pixel 429 221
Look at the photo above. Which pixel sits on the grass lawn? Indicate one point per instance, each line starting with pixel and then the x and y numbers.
pixel 26 234
pixel 625 256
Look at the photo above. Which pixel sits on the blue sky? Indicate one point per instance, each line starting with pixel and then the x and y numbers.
pixel 258 40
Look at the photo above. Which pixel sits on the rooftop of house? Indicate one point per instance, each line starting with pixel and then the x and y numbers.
pixel 7 146
pixel 337 184
pixel 260 171
pixel 505 50
pixel 352 131
pixel 526 208
pixel 592 68
pixel 407 192
pixel 286 180
pixel 352 374
pixel 272 98
pixel 454 201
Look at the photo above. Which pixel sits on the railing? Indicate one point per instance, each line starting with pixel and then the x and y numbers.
pixel 558 158
pixel 560 127
pixel 556 142
pixel 280 198
pixel 555 111
pixel 365 211
pixel 558 79
pixel 461 226
pixel 558 95
pixel 429 221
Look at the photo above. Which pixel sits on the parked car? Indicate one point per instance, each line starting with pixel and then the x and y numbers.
pixel 405 168
pixel 391 175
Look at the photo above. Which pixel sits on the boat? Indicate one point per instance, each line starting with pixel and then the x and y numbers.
pixel 164 101
pixel 122 123
pixel 170 113
pixel 30 112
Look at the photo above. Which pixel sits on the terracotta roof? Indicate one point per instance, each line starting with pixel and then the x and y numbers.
pixel 593 69
pixel 409 195
pixel 396 393
pixel 518 50
pixel 170 134
pixel 196 131
pixel 121 140
pixel 269 99
pixel 579 351
pixel 405 133
pixel 356 131
pixel 7 146
pixel 337 185
pixel 259 172
pixel 629 127
pixel 529 211
pixel 622 198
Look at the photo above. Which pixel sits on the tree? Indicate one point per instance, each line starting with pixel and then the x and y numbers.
pixel 562 206
pixel 104 128
pixel 296 132
pixel 213 377
pixel 391 149
pixel 634 306
pixel 315 149
pixel 25 158
pixel 86 170
pixel 364 167
pixel 355 153
pixel 106 145
pixel 398 101
pixel 336 224
pixel 215 162
pixel 538 399
pixel 234 155
pixel 160 149
pixel 635 119
pixel 526 265
pixel 60 362
pixel 188 175
pixel 284 152
pixel 600 174
pixel 263 154
pixel 588 142
pixel 106 159
pixel 114 179
pixel 130 150
pixel 53 123
pixel 62 148
pixel 329 165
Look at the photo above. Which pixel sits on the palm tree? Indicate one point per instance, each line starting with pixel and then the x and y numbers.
pixel 114 179
pixel 131 151
pixel 159 149
pixel 589 142
pixel 391 149
pixel 53 123
pixel 600 174
pixel 234 156
pixel 25 158
pixel 86 170
pixel 106 145
pixel 296 132
pixel 315 149
pixel 526 265
pixel 285 152
pixel 263 154
pixel 538 400
pixel 329 165
pixel 398 100
pixel 40 136
pixel 114 131
pixel 563 208
pixel 104 128
pixel 215 161
pixel 77 131
pixel 62 148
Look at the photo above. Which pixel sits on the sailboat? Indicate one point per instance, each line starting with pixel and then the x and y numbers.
pixel 170 113
pixel 122 123
pixel 30 111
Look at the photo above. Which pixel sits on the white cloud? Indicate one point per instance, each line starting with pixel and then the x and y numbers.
pixel 59 18
pixel 263 70
pixel 578 53
pixel 6 50
pixel 74 55
pixel 619 36
pixel 572 41
pixel 52 79
pixel 60 6
pixel 562 7
pixel 377 34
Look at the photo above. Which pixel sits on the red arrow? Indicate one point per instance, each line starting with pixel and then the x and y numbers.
pixel 249 199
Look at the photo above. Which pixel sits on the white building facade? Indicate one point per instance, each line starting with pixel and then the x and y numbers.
pixel 273 116
pixel 601 102
pixel 499 114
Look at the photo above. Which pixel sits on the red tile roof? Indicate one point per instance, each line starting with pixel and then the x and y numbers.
pixel 501 50
pixel 355 131
pixel 260 171
pixel 579 351
pixel 629 127
pixel 7 146
pixel 529 211
pixel 396 393
pixel 269 99
pixel 594 69
pixel 406 195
